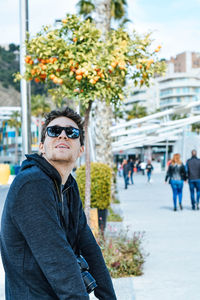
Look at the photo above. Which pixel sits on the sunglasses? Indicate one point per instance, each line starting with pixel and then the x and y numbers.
pixel 55 131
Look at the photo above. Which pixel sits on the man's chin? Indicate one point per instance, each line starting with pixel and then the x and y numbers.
pixel 63 158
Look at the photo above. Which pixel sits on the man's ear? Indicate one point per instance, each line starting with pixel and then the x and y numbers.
pixel 41 148
pixel 82 148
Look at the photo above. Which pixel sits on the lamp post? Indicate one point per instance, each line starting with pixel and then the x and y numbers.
pixel 23 85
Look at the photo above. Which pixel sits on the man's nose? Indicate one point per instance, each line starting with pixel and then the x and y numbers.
pixel 63 135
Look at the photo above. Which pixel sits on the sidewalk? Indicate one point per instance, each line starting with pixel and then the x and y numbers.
pixel 171 271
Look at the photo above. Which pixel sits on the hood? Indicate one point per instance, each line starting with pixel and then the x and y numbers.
pixel 45 166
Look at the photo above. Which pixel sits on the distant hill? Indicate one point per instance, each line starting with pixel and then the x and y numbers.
pixel 9 90
pixel 9 96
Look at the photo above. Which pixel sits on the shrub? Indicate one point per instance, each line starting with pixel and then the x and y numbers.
pixel 113 216
pixel 123 254
pixel 101 175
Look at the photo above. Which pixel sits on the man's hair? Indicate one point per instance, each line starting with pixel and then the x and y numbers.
pixel 68 113
pixel 194 152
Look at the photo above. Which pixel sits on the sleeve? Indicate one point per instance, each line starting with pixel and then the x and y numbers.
pixel 97 267
pixel 168 173
pixel 35 214
pixel 186 170
pixel 184 173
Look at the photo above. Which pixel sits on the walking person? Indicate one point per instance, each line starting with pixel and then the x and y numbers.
pixel 149 169
pixel 44 228
pixel 143 167
pixel 193 176
pixel 176 174
pixel 131 165
pixel 126 173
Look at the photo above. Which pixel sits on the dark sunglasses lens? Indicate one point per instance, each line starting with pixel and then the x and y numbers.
pixel 54 131
pixel 72 133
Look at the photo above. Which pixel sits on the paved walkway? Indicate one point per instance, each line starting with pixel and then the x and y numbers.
pixel 172 239
pixel 171 271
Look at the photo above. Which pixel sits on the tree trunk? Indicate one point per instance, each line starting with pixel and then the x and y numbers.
pixel 39 128
pixel 102 132
pixel 87 164
pixel 103 15
pixel 104 114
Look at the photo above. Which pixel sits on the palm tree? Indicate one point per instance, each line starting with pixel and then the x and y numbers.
pixel 105 11
pixel 137 112
pixel 15 122
pixel 85 8
pixel 39 107
pixel 115 8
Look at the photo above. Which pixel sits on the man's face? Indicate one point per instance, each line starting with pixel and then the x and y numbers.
pixel 61 149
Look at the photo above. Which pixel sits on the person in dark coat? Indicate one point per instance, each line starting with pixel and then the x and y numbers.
pixel 149 169
pixel 176 174
pixel 193 176
pixel 131 166
pixel 44 226
pixel 126 173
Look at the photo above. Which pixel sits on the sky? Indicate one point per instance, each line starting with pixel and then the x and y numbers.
pixel 175 24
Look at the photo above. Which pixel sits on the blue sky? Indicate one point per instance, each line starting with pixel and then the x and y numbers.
pixel 175 23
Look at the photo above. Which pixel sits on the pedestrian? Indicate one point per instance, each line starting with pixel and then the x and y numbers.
pixel 143 167
pixel 176 174
pixel 126 173
pixel 149 169
pixel 44 228
pixel 193 176
pixel 131 165
pixel 119 169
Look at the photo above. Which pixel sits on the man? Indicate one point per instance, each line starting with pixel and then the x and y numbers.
pixel 131 165
pixel 193 175
pixel 43 223
pixel 126 173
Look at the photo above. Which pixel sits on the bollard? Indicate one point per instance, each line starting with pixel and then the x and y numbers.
pixel 94 221
pixel 4 173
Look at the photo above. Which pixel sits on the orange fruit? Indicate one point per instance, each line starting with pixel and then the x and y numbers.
pixel 52 76
pixel 55 80
pixel 43 67
pixel 43 76
pixel 60 81
pixel 74 39
pixel 64 21
pixel 33 72
pixel 92 81
pixel 79 77
pixel 37 80
pixel 79 72
pixel 114 64
pixel 96 78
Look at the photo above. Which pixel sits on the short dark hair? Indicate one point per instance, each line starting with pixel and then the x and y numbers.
pixel 68 113
pixel 194 152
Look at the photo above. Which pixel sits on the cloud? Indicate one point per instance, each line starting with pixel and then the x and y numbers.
pixel 40 13
pixel 177 33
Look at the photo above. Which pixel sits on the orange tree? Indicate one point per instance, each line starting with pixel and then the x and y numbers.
pixel 84 66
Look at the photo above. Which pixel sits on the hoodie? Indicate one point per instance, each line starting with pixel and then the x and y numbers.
pixel 38 246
